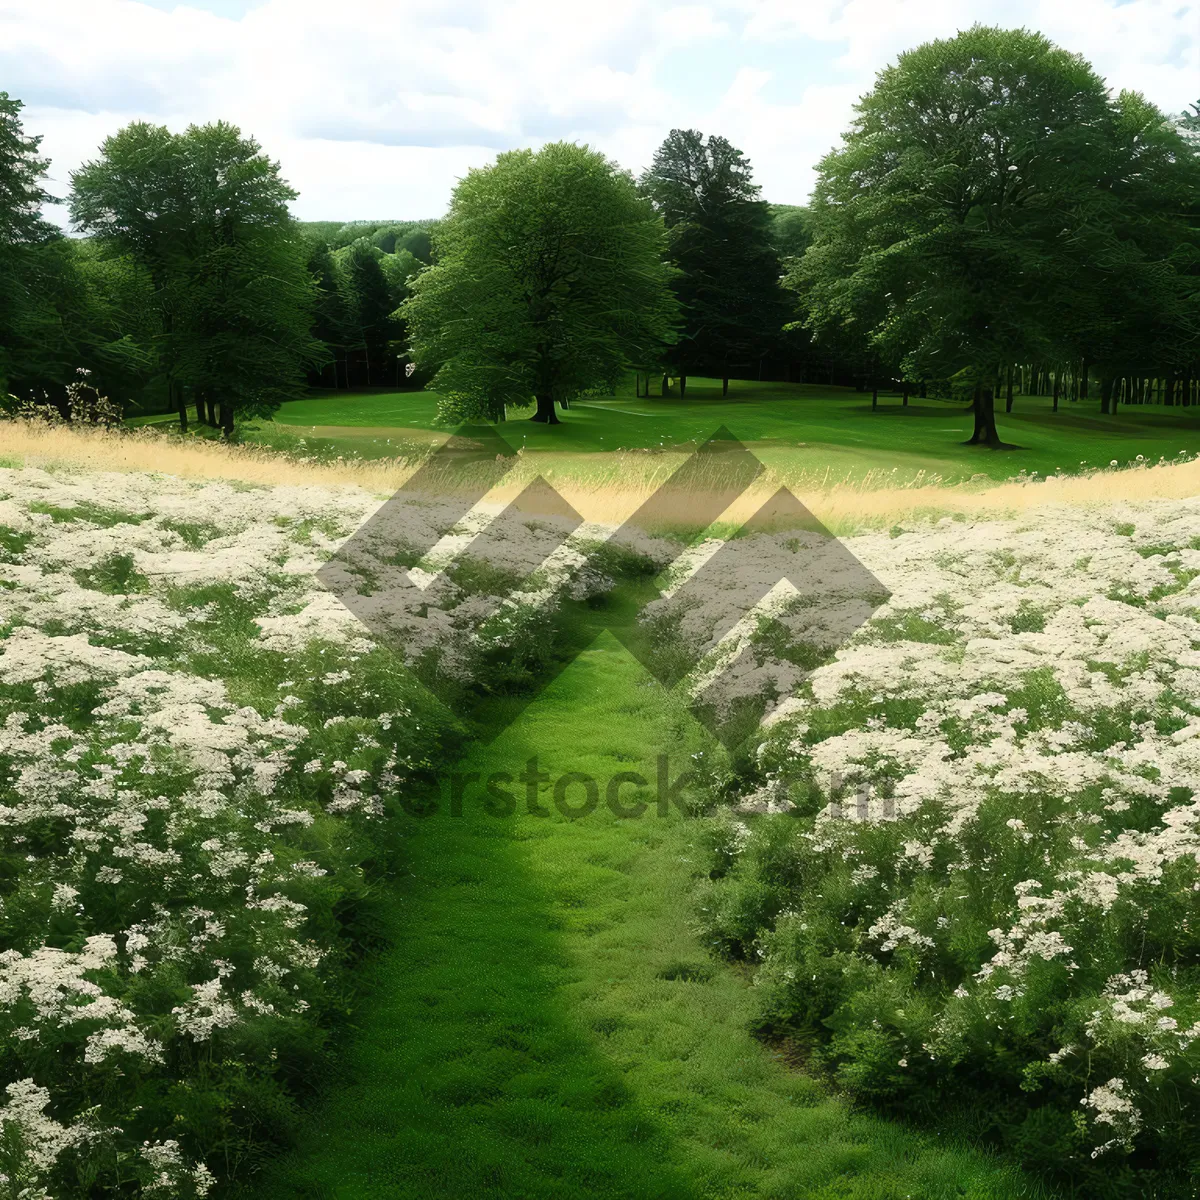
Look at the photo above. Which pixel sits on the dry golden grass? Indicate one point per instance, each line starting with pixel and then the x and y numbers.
pixel 148 450
pixel 605 488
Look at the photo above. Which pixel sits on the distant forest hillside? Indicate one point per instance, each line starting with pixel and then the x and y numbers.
pixel 362 270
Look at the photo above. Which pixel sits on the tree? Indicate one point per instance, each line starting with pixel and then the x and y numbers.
pixel 59 311
pixel 944 224
pixel 721 238
pixel 1189 122
pixel 373 302
pixel 548 281
pixel 1144 317
pixel 791 231
pixel 205 213
pixel 333 307
pixel 23 234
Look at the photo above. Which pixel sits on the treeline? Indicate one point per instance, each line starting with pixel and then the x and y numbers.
pixel 362 270
pixel 193 289
pixel 995 222
pixel 993 214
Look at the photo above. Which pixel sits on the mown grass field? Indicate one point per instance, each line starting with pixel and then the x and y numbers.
pixel 813 427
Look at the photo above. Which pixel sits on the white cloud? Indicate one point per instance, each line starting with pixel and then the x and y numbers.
pixel 374 107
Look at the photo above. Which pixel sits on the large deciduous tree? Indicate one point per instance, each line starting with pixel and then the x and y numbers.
pixel 548 280
pixel 721 236
pixel 946 224
pixel 205 213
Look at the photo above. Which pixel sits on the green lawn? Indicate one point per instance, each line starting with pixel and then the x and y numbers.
pixel 810 426
pixel 546 1023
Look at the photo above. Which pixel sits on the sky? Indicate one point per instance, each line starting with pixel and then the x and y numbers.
pixel 374 108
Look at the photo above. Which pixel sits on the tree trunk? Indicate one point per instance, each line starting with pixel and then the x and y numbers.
pixel 1008 393
pixel 904 402
pixel 199 409
pixel 545 413
pixel 212 412
pixel 924 389
pixel 1106 387
pixel 1083 380
pixel 664 385
pixel 984 433
pixel 1054 407
pixel 682 386
pixel 760 370
pixel 180 405
pixel 725 385
pixel 564 403
pixel 227 418
pixel 874 397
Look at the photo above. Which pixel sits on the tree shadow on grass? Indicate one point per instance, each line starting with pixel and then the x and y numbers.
pixel 467 1075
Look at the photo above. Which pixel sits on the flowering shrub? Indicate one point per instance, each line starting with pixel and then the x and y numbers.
pixel 197 747
pixel 84 406
pixel 968 858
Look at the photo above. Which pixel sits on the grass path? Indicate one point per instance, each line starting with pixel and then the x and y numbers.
pixel 548 1025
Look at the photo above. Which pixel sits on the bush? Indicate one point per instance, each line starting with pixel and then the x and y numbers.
pixel 200 786
pixel 987 890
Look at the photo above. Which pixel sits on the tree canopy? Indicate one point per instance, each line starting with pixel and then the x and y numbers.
pixel 721 237
pixel 549 280
pixel 205 213
pixel 987 195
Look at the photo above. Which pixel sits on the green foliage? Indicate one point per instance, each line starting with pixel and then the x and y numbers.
pixel 373 300
pixel 58 311
pixel 204 213
pixel 791 231
pixel 946 199
pixel 721 238
pixel 549 280
pixel 965 167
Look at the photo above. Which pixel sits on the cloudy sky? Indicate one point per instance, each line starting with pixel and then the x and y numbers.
pixel 376 107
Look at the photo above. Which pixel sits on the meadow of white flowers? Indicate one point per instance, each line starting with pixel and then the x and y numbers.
pixel 976 859
pixel 972 862
pixel 195 745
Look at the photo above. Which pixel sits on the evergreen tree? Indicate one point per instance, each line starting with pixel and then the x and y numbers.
pixel 25 313
pixel 721 238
